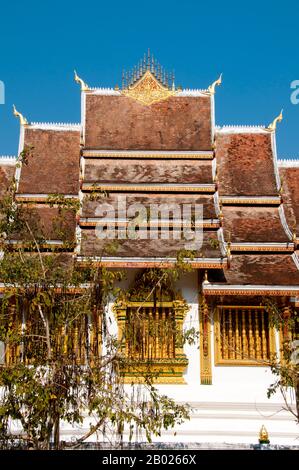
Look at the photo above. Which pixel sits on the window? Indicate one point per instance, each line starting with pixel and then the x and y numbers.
pixel 150 335
pixel 78 340
pixel 243 336
pixel 150 332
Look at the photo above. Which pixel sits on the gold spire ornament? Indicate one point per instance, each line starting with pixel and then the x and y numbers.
pixel 148 90
pixel 264 436
pixel 273 125
pixel 148 82
pixel 23 120
pixel 211 88
pixel 84 86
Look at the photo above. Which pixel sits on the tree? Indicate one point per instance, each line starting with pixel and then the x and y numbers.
pixel 285 366
pixel 61 359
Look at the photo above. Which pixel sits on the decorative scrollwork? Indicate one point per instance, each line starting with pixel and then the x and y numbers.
pixel 148 90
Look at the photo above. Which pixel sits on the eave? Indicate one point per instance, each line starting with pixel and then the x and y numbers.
pixel 248 290
pixel 113 262
pixel 190 155
pixel 250 200
pixel 180 188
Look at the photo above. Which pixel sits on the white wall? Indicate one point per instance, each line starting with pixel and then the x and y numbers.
pixel 235 406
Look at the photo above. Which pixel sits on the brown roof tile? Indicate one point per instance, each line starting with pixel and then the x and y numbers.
pixel 6 176
pixel 49 223
pixel 93 246
pixel 119 122
pixel 253 224
pixel 207 201
pixel 290 185
pixel 274 269
pixel 54 166
pixel 148 171
pixel 245 164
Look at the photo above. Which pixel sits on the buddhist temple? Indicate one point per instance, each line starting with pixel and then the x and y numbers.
pixel 151 144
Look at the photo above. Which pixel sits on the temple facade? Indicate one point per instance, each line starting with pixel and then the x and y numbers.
pixel 155 148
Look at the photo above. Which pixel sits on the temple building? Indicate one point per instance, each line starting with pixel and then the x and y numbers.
pixel 150 144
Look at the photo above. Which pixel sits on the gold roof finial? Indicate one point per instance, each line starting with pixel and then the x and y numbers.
pixel 228 251
pixel 263 435
pixel 206 280
pixel 217 82
pixel 273 125
pixel 220 214
pixel 294 237
pixel 84 86
pixel 23 120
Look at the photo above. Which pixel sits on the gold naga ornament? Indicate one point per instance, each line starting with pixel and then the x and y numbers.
pixel 83 85
pixel 212 87
pixel 147 90
pixel 272 126
pixel 23 120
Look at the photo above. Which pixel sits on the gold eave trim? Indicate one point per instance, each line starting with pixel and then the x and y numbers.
pixel 92 222
pixel 249 291
pixel 48 245
pixel 273 201
pixel 179 188
pixel 44 198
pixel 58 290
pixel 278 247
pixel 152 155
pixel 145 263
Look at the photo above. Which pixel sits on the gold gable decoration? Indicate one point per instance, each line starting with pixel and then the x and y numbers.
pixel 148 82
pixel 148 90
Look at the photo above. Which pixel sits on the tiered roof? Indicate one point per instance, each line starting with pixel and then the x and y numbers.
pixel 155 143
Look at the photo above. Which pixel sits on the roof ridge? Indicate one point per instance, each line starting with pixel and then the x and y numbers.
pixel 288 159
pixel 288 163
pixel 104 88
pixel 241 126
pixel 9 160
pixel 54 124
pixel 191 91
pixel 239 129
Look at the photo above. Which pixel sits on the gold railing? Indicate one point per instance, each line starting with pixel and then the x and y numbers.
pixel 76 341
pixel 150 333
pixel 243 336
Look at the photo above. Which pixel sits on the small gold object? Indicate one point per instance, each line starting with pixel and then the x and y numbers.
pixel 84 86
pixel 23 120
pixel 273 125
pixel 206 280
pixel 217 82
pixel 263 436
pixel 220 215
pixel 228 251
pixel 294 235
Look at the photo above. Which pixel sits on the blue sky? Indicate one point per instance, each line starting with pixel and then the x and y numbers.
pixel 254 44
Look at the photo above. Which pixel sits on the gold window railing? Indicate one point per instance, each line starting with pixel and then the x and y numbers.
pixel 150 332
pixel 151 340
pixel 78 340
pixel 243 336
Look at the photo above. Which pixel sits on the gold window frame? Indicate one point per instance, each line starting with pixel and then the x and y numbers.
pixel 219 361
pixel 163 370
